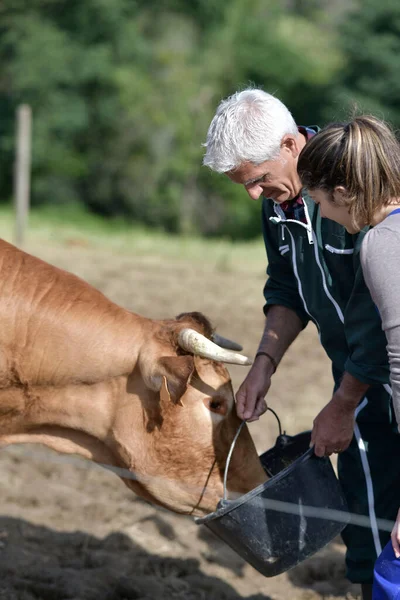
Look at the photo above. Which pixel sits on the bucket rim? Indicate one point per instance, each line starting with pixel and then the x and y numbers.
pixel 230 505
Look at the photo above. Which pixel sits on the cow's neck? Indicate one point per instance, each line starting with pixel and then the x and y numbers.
pixel 75 419
pixel 56 329
pixel 89 349
pixel 82 420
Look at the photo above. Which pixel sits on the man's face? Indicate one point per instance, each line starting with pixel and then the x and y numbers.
pixel 276 179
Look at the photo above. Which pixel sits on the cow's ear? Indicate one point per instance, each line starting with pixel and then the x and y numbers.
pixel 176 372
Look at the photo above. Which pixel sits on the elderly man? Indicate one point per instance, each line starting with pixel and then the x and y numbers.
pixel 314 274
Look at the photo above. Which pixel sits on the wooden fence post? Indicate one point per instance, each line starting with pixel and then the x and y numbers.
pixel 22 172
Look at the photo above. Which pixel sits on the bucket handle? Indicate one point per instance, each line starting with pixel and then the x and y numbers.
pixel 228 460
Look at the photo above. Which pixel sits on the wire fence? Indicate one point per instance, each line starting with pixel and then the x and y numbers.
pixel 280 506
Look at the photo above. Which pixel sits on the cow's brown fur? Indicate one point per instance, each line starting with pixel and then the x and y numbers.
pixel 82 375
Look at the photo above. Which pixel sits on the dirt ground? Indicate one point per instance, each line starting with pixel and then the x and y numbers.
pixel 72 531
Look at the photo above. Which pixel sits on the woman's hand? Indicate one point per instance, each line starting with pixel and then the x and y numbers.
pixel 395 535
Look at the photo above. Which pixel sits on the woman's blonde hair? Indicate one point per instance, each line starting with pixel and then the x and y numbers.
pixel 363 156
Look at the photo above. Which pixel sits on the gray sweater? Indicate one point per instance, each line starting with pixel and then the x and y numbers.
pixel 380 260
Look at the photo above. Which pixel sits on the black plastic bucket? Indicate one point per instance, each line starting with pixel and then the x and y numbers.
pixel 288 518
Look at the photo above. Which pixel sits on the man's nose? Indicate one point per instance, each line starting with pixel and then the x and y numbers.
pixel 254 191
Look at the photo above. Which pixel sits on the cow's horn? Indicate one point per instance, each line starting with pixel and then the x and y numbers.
pixel 196 343
pixel 225 343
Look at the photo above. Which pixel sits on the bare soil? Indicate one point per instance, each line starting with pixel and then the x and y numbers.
pixel 72 531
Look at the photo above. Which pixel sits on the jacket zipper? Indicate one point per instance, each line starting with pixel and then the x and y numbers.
pixel 296 274
pixel 312 238
pixel 327 292
pixel 282 219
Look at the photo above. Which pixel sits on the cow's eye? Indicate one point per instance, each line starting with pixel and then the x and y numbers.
pixel 216 405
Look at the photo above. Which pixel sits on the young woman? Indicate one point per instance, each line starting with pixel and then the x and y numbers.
pixel 352 170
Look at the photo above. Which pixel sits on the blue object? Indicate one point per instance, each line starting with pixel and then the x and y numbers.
pixel 394 212
pixel 386 575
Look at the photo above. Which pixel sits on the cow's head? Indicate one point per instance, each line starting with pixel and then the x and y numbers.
pixel 177 439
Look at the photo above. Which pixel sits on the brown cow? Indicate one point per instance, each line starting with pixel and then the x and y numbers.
pixel 82 375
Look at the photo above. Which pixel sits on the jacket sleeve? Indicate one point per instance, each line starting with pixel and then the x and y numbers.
pixel 367 360
pixel 281 287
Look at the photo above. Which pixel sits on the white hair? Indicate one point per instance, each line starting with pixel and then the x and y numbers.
pixel 247 127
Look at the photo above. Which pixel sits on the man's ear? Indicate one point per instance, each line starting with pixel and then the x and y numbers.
pixel 289 143
pixel 175 373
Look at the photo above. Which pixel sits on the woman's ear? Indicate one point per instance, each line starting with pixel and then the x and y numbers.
pixel 340 195
pixel 341 190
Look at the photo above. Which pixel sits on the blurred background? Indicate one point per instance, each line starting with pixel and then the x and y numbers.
pixel 121 93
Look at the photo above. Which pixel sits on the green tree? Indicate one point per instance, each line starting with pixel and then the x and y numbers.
pixel 371 44
pixel 60 57
pixel 122 94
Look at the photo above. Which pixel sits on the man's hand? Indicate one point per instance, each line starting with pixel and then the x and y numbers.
pixel 333 428
pixel 250 402
pixel 395 535
pixel 282 326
